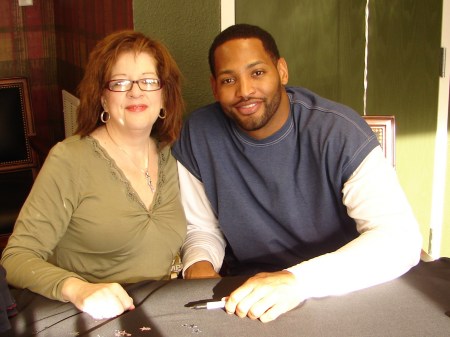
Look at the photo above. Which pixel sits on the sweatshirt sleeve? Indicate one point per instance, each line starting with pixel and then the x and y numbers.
pixel 204 239
pixel 389 243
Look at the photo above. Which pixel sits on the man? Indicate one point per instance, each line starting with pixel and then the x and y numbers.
pixel 293 185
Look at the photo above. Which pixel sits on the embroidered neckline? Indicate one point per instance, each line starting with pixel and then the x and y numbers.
pixel 117 173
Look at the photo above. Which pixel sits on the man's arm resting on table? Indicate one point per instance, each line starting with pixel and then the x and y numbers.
pixel 389 243
pixel 204 248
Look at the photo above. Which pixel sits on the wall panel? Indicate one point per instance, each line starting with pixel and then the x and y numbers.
pixel 323 42
pixel 187 28
pixel 404 50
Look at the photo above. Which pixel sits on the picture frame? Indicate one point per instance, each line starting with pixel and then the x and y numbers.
pixel 16 126
pixel 384 129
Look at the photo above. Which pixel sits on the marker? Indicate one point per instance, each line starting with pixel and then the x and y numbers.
pixel 210 305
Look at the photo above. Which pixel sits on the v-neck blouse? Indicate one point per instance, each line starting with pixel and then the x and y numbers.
pixel 84 219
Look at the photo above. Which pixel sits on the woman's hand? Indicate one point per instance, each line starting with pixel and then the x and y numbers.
pixel 101 300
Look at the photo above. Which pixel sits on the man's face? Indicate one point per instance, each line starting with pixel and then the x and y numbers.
pixel 249 86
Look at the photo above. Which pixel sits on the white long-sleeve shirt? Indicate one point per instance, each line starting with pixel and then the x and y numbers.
pixel 389 243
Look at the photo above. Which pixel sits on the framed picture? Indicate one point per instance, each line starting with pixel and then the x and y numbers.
pixel 384 129
pixel 16 125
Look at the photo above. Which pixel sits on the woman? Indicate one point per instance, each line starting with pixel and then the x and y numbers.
pixel 105 208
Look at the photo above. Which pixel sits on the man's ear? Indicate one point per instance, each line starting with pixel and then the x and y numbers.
pixel 213 82
pixel 283 70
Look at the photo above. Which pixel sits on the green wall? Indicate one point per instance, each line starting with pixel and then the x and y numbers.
pixel 187 28
pixel 321 40
pixel 405 51
pixel 323 43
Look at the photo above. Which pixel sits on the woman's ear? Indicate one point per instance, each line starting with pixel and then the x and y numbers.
pixel 103 103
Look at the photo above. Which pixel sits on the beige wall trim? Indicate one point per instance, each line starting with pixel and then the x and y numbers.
pixel 227 14
pixel 440 154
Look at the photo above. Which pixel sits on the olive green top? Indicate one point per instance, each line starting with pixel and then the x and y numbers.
pixel 83 218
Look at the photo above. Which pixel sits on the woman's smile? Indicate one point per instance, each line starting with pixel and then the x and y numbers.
pixel 136 107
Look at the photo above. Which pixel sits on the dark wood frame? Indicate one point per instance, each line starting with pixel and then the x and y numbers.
pixel 30 161
pixel 384 129
pixel 27 159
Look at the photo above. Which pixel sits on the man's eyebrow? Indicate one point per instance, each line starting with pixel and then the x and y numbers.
pixel 254 64
pixel 249 66
pixel 225 72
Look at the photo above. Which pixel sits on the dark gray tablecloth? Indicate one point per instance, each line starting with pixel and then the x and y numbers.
pixel 7 303
pixel 413 305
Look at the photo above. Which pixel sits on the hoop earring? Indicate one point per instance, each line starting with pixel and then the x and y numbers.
pixel 105 116
pixel 163 112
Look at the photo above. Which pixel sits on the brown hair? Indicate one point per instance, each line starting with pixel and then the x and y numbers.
pixel 98 72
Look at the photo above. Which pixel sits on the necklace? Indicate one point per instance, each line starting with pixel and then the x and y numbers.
pixel 144 171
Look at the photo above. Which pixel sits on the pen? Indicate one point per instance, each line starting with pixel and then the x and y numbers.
pixel 210 305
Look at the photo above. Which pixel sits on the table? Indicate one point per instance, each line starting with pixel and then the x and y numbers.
pixel 412 305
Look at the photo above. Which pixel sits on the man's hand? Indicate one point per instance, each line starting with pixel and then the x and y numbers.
pixel 102 300
pixel 265 296
pixel 201 269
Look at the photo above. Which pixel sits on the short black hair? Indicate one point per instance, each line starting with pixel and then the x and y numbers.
pixel 244 31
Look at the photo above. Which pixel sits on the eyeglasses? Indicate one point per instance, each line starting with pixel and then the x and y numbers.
pixel 145 84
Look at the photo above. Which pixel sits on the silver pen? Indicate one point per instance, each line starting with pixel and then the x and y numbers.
pixel 210 305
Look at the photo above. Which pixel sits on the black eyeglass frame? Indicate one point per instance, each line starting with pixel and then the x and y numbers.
pixel 107 85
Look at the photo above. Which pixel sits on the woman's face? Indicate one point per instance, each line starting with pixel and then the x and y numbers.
pixel 136 109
